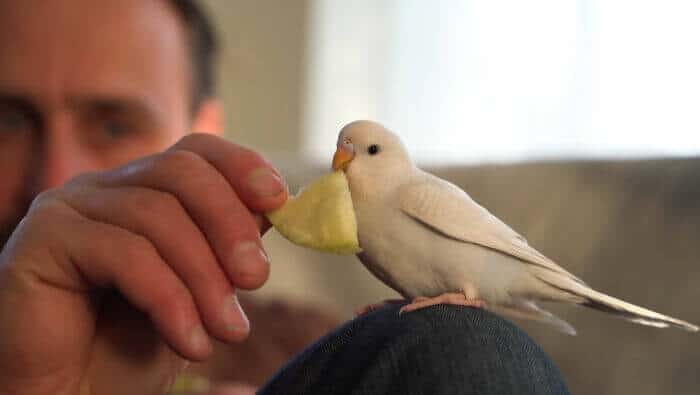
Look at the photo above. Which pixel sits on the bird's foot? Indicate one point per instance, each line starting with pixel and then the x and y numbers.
pixel 457 299
pixel 376 306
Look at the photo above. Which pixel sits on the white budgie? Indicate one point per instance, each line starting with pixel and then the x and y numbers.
pixel 428 240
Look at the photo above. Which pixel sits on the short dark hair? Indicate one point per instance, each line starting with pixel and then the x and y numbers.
pixel 203 48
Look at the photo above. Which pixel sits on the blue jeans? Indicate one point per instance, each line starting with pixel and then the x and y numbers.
pixel 437 350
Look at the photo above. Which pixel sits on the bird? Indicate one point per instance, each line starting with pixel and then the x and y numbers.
pixel 432 243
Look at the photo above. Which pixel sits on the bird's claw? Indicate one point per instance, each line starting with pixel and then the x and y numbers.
pixel 376 306
pixel 457 299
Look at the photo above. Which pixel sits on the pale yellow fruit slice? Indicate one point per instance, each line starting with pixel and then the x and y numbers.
pixel 321 216
pixel 187 383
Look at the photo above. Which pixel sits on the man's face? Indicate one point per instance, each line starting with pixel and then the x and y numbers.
pixel 85 85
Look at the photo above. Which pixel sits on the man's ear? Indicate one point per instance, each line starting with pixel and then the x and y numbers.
pixel 209 117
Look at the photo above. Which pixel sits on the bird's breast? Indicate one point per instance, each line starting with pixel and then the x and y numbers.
pixel 399 252
pixel 416 261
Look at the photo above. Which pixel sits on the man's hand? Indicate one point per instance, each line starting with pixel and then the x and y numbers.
pixel 110 281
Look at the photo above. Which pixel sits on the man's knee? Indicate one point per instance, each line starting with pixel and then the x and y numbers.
pixel 439 349
pixel 451 349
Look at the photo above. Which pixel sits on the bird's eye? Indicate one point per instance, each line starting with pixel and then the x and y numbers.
pixel 373 149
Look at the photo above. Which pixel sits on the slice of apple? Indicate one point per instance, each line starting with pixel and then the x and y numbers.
pixel 320 216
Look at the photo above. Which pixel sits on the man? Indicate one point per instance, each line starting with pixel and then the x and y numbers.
pixel 87 86
pixel 116 277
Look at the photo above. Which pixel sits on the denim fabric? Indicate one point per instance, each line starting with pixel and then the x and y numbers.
pixel 437 350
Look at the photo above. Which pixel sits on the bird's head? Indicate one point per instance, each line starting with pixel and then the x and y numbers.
pixel 366 149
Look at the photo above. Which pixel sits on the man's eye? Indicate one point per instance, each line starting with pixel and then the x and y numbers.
pixel 115 128
pixel 13 121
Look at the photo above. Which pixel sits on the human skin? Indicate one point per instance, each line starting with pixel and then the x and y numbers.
pixel 115 277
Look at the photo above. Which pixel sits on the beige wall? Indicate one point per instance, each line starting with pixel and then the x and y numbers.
pixel 261 70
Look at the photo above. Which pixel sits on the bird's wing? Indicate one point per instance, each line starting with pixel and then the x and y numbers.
pixel 447 209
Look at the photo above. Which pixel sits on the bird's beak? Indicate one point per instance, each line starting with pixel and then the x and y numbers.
pixel 342 158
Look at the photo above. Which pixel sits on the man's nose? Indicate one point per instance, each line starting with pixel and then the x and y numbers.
pixel 62 155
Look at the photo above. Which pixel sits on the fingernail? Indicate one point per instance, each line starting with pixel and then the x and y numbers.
pixel 199 338
pixel 233 315
pixel 247 256
pixel 265 183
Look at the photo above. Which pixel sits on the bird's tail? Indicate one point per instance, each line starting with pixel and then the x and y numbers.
pixel 529 310
pixel 586 296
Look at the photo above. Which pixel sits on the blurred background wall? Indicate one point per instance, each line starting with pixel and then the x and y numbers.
pixel 261 71
pixel 576 122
